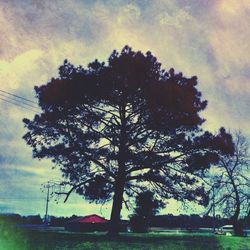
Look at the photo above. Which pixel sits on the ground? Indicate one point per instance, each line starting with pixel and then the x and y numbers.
pixel 14 239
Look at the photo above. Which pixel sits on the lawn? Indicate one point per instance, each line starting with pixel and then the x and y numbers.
pixel 12 239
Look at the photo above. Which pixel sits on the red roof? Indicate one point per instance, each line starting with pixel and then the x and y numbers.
pixel 93 218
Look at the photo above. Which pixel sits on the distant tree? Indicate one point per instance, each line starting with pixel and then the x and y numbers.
pixel 122 127
pixel 147 206
pixel 230 189
pixel 247 220
pixel 58 221
pixel 34 219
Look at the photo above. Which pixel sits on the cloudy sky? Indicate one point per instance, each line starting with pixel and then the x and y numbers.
pixel 207 38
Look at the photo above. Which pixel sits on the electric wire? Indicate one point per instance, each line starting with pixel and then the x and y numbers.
pixel 21 102
pixel 21 99
pixel 19 105
pixel 18 101
pixel 21 198
pixel 17 96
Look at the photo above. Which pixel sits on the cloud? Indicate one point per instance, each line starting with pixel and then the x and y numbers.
pixel 176 20
pixel 209 39
pixel 12 73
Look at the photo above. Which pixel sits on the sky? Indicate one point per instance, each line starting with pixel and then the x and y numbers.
pixel 206 38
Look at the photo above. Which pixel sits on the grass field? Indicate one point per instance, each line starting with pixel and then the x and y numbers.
pixel 33 240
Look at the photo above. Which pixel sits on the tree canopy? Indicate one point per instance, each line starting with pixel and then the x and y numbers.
pixel 123 127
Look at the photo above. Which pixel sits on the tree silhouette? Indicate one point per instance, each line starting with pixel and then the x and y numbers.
pixel 119 128
pixel 147 206
pixel 231 183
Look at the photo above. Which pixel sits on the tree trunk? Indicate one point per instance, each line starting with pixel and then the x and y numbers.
pixel 114 226
pixel 238 227
pixel 121 178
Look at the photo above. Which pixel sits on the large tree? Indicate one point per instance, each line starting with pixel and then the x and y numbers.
pixel 124 127
pixel 230 183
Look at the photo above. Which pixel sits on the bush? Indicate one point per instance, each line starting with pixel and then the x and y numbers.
pixel 139 224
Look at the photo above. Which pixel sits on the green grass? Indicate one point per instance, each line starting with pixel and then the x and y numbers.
pixel 12 239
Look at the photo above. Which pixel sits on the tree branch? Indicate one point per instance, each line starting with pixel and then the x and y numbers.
pixel 72 189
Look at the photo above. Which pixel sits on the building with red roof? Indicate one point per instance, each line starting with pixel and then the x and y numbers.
pixel 88 223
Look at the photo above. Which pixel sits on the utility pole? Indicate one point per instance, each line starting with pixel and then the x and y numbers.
pixel 47 186
pixel 47 205
pixel 50 187
pixel 213 209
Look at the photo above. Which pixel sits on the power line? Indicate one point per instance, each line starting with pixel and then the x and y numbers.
pixel 19 105
pixel 17 96
pixel 11 98
pixel 18 101
pixel 21 198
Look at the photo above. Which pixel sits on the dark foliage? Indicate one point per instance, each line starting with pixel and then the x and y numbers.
pixel 192 221
pixel 147 205
pixel 127 126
